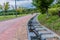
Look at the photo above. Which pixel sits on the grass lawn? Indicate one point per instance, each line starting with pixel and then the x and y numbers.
pixel 2 18
pixel 53 22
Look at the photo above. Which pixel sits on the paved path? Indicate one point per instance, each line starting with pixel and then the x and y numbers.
pixel 15 29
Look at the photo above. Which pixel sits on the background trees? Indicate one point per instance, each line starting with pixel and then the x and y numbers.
pixel 20 10
pixel 42 5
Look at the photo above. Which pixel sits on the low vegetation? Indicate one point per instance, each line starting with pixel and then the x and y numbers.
pixel 53 22
pixel 7 17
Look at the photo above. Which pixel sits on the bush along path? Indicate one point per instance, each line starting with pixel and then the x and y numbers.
pixel 39 32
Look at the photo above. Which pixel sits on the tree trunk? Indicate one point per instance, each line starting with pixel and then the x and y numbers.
pixel 15 8
pixel 59 14
pixel 4 13
pixel 16 14
pixel 47 13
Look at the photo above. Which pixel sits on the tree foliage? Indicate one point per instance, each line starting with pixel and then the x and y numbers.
pixel 6 6
pixel 0 7
pixel 58 1
pixel 42 5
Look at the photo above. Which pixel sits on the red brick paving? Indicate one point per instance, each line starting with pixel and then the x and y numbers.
pixel 15 29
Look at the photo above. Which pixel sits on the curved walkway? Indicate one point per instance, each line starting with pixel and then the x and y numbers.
pixel 15 29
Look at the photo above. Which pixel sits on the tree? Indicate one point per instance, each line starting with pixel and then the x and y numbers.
pixel 20 10
pixel 58 1
pixel 0 7
pixel 6 6
pixel 42 5
pixel 16 7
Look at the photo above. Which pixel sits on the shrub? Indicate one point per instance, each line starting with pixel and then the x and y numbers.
pixel 53 11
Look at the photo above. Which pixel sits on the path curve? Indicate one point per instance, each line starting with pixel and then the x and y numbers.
pixel 15 29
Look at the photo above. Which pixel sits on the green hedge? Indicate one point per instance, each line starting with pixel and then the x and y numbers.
pixel 10 12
